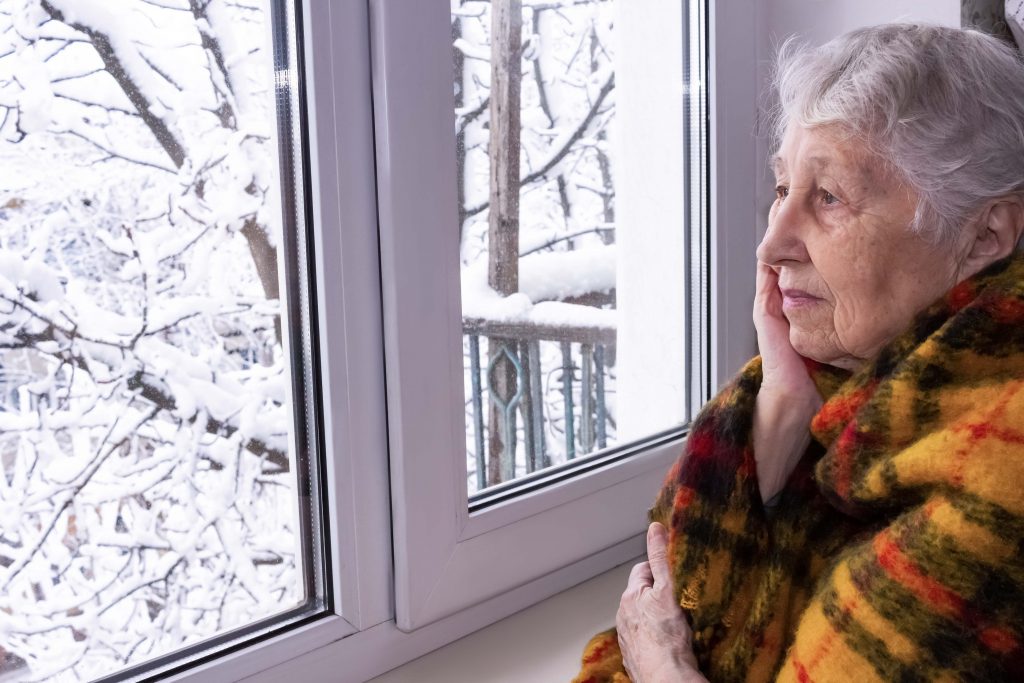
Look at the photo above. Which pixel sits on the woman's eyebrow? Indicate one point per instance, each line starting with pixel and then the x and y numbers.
pixel 843 169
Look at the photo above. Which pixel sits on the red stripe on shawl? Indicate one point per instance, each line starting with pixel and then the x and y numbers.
pixel 701 444
pixel 943 599
pixel 598 653
pixel 1006 310
pixel 683 498
pixel 801 672
pixel 961 295
pixel 957 469
pixel 983 430
pixel 906 572
pixel 845 449
pixel 978 431
pixel 825 643
pixel 1008 435
pixel 999 640
pixel 839 410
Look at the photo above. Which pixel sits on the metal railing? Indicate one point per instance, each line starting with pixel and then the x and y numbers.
pixel 581 367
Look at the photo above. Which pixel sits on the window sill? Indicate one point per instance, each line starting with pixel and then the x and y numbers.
pixel 541 643
pixel 383 647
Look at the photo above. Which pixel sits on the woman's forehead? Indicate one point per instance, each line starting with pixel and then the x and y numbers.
pixel 819 150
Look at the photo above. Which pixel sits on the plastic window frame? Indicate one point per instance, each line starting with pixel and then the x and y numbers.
pixel 448 556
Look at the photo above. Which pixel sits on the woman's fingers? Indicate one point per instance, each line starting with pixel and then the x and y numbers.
pixel 654 636
pixel 784 370
pixel 657 554
pixel 640 577
pixel 768 317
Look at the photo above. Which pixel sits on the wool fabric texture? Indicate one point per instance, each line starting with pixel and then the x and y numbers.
pixel 896 550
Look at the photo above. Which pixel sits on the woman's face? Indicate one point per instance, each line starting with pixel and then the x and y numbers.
pixel 851 272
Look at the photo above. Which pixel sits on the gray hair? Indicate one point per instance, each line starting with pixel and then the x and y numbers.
pixel 943 107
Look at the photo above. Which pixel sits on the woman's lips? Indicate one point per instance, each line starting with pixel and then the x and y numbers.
pixel 797 298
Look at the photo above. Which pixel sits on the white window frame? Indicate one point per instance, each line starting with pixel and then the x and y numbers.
pixel 448 558
pixel 381 620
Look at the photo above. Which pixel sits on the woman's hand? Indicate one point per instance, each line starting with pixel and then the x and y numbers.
pixel 654 636
pixel 783 371
pixel 787 399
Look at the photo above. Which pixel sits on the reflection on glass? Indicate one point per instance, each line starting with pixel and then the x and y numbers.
pixel 147 452
pixel 550 245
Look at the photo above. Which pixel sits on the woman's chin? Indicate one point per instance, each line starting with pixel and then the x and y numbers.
pixel 817 348
pixel 825 353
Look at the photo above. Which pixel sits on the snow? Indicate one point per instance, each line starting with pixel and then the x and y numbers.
pixel 545 279
pixel 472 50
pixel 557 313
pixel 36 100
pixel 140 372
pixel 563 274
pixel 480 302
pixel 119 279
pixel 29 276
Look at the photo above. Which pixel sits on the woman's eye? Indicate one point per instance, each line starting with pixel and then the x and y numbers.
pixel 781 191
pixel 828 197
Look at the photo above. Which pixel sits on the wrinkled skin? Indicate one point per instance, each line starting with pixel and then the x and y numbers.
pixel 654 635
pixel 839 232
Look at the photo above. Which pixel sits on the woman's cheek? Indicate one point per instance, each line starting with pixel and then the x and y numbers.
pixel 844 321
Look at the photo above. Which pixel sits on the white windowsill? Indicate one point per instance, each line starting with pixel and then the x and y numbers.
pixel 541 643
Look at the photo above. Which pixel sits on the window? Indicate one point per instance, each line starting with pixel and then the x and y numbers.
pixel 629 82
pixel 573 280
pixel 538 272
pixel 364 533
pixel 158 419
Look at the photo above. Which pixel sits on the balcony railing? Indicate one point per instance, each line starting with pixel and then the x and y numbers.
pixel 512 437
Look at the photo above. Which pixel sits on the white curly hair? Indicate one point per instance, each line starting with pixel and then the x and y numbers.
pixel 943 107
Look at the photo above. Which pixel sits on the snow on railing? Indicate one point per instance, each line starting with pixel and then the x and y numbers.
pixel 519 331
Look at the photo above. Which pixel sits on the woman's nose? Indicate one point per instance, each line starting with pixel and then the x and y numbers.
pixel 783 240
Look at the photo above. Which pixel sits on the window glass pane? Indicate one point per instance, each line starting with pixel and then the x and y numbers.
pixel 571 134
pixel 154 445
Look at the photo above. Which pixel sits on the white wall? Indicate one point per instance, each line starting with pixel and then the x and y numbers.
pixel 821 20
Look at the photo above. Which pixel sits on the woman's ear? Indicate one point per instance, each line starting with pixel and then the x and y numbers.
pixel 996 233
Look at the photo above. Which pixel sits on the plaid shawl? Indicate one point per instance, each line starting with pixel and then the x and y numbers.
pixel 896 550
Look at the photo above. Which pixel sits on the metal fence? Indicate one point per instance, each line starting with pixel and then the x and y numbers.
pixel 585 356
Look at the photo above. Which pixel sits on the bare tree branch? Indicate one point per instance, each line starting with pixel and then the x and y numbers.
pixel 566 146
pixel 116 153
pixel 87 103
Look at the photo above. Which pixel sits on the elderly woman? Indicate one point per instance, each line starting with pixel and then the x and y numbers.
pixel 851 507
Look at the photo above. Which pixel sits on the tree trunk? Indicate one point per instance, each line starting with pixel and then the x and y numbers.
pixel 503 229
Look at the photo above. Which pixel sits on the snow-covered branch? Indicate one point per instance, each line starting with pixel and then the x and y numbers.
pixel 566 143
pixel 147 467
pixel 124 65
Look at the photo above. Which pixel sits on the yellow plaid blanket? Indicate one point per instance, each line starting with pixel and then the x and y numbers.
pixel 896 550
